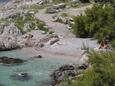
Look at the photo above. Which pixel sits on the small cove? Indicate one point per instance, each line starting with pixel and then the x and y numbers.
pixel 38 69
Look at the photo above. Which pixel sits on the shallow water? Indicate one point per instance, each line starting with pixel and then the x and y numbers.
pixel 38 69
pixel 4 1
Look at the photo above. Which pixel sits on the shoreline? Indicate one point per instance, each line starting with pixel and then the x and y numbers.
pixel 32 52
pixel 48 54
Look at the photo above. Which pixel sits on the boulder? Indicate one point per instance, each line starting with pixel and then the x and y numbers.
pixel 67 70
pixel 51 10
pixel 11 29
pixel 8 43
pixel 39 56
pixel 7 60
pixel 59 74
pixel 2 84
pixel 21 76
pixel 27 27
pixel 61 6
pixel 53 41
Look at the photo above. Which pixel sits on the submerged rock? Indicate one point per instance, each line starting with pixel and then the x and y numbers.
pixel 21 77
pixel 2 84
pixel 39 56
pixel 7 60
pixel 71 71
pixel 59 74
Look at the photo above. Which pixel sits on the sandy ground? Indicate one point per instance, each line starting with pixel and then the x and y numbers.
pixel 47 54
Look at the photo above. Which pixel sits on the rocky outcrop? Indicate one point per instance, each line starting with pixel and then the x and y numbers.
pixel 8 43
pixel 66 70
pixel 36 57
pixel 11 29
pixel 8 37
pixel 56 8
pixel 21 76
pixel 7 60
pixel 59 74
pixel 2 84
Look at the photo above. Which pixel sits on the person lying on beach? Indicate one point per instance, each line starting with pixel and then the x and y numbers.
pixel 104 44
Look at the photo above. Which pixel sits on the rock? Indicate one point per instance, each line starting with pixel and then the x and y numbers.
pixel 39 56
pixel 7 60
pixel 61 6
pixel 55 8
pixel 8 43
pixel 42 2
pixel 11 29
pixel 2 84
pixel 40 45
pixel 59 74
pixel 21 76
pixel 83 66
pixel 67 70
pixel 51 10
pixel 8 37
pixel 67 67
pixel 27 27
pixel 53 41
pixel 75 1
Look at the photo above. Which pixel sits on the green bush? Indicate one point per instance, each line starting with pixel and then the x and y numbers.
pixel 97 22
pixel 113 44
pixel 79 27
pixel 20 20
pixel 101 72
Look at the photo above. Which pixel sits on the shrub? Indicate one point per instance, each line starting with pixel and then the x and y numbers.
pixel 79 27
pixel 97 22
pixel 101 72
pixel 113 44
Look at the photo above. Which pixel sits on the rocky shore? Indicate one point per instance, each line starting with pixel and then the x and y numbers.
pixel 69 71
pixel 44 31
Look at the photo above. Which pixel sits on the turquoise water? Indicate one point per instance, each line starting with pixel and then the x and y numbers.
pixel 4 1
pixel 38 69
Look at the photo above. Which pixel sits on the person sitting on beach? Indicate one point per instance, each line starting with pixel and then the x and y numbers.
pixel 104 44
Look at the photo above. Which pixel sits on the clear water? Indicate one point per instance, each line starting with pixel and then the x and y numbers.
pixel 4 1
pixel 39 69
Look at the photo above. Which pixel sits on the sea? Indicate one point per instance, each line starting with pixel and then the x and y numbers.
pixel 1 1
pixel 38 69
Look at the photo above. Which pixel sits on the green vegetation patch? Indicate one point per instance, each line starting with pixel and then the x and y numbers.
pixel 98 22
pixel 101 72
pixel 26 18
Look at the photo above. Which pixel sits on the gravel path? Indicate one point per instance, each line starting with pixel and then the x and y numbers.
pixel 60 29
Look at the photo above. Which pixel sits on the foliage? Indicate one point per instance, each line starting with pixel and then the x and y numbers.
pixel 35 7
pixel 78 27
pixel 64 14
pixel 2 20
pixel 21 19
pixel 102 1
pixel 98 22
pixel 101 72
pixel 113 43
